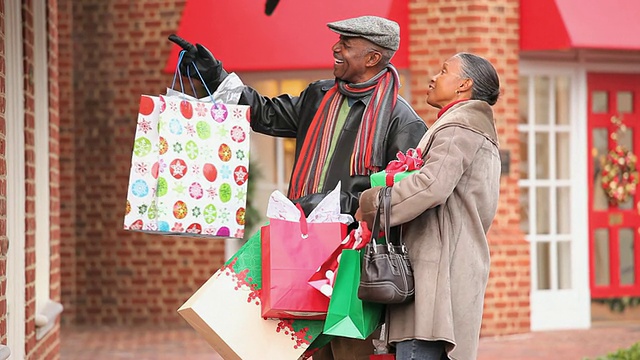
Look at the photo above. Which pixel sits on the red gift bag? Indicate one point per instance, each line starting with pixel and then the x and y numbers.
pixel 291 253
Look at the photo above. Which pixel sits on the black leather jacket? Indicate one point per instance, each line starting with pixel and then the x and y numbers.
pixel 290 116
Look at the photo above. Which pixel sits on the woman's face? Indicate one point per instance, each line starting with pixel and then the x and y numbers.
pixel 443 86
pixel 350 58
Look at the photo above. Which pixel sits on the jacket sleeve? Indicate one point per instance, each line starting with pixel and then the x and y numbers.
pixel 278 116
pixel 451 153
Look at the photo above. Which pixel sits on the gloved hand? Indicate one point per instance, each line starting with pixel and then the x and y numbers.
pixel 209 67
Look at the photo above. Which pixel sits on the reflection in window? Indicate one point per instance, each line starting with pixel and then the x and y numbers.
pixel 598 155
pixel 542 99
pixel 627 267
pixel 289 154
pixel 542 155
pixel 563 204
pixel 601 257
pixel 563 100
pixel 599 102
pixel 544 272
pixel 563 155
pixel 625 102
pixel 564 265
pixel 543 212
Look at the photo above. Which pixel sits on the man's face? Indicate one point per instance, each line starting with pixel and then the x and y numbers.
pixel 443 86
pixel 350 58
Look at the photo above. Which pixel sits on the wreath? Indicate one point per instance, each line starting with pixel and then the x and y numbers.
pixel 620 175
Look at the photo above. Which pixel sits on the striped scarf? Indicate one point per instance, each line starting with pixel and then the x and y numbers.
pixel 368 152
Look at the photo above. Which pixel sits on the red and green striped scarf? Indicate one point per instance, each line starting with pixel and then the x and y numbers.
pixel 368 151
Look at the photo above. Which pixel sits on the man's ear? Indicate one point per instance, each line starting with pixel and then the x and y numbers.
pixel 373 59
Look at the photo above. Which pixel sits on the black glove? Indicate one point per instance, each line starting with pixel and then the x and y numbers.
pixel 209 67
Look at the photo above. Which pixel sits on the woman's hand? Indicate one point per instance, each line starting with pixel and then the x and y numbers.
pixel 358 215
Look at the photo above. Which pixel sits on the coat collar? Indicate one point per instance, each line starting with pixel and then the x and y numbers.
pixel 474 115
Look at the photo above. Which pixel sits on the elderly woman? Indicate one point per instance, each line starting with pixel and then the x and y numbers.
pixel 445 211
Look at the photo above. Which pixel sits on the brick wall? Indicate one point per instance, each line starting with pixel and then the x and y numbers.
pixel 116 277
pixel 489 28
pixel 4 242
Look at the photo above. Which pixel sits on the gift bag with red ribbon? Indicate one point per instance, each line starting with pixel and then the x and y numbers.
pixel 292 250
pixel 323 278
pixel 398 169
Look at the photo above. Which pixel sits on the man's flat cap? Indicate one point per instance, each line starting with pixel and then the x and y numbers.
pixel 380 31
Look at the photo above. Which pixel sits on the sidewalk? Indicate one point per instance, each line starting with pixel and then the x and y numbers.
pixel 153 343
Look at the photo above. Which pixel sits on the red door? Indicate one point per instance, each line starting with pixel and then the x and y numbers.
pixel 614 225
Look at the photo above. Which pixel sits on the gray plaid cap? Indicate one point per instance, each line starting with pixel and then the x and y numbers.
pixel 380 31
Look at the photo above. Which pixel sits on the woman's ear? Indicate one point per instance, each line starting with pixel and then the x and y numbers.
pixel 465 85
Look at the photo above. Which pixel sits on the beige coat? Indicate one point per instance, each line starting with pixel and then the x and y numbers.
pixel 447 209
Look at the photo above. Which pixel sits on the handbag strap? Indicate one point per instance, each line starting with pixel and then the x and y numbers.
pixel 375 228
pixel 387 220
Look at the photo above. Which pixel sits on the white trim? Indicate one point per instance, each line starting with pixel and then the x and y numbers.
pixel 5 352
pixel 580 196
pixel 47 310
pixel 46 318
pixel 41 137
pixel 16 196
pixel 560 308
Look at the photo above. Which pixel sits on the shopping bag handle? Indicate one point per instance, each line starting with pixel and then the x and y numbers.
pixel 304 227
pixel 178 74
pixel 193 88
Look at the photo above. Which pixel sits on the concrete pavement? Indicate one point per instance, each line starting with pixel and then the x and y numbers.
pixel 157 343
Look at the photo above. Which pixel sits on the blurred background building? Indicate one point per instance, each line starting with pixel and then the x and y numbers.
pixel 72 72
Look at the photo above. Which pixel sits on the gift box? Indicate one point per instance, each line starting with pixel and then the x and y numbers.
pixel 226 312
pixel 382 178
pixel 396 170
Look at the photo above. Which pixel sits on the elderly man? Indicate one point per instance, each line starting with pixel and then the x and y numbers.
pixel 345 128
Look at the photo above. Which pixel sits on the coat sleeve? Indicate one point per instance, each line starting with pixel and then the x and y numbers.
pixel 451 153
pixel 279 116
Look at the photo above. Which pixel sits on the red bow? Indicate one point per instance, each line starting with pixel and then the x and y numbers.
pixel 412 160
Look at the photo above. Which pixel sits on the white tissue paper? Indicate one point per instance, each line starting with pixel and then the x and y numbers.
pixel 328 210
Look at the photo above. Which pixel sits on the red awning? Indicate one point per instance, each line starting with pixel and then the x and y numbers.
pixel 579 24
pixel 294 37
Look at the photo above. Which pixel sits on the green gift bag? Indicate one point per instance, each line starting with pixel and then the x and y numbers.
pixel 348 316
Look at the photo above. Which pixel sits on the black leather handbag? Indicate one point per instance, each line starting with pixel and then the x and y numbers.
pixel 386 277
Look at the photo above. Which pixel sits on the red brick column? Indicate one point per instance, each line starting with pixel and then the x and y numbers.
pixel 66 153
pixel 489 28
pixel 116 277
pixel 4 242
